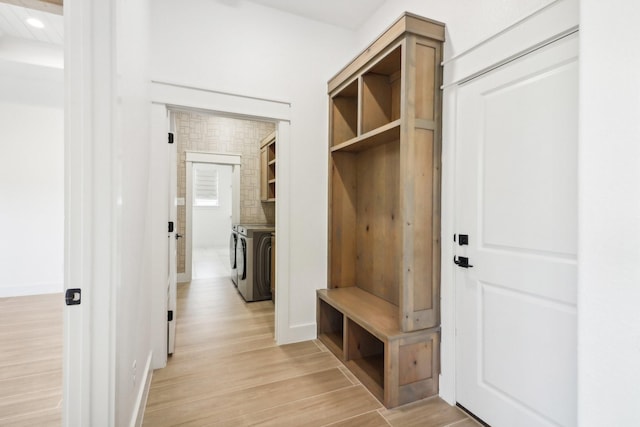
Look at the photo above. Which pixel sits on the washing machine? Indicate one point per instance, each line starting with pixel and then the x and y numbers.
pixel 233 247
pixel 253 261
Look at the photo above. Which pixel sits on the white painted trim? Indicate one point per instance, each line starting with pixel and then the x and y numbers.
pixel 159 202
pixel 285 333
pixel 557 18
pixel 188 229
pixel 31 289
pixel 143 394
pixel 176 96
pixel 91 217
pixel 544 24
pixel 447 270
pixel 217 158
pixel 232 159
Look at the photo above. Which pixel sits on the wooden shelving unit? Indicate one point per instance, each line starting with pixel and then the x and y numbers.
pixel 380 314
pixel 268 168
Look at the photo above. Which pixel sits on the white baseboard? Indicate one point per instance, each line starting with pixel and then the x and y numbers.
pixel 30 289
pixel 143 394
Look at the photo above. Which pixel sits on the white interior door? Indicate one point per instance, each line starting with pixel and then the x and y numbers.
pixel 173 253
pixel 516 199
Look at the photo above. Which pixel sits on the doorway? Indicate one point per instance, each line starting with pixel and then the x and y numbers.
pixel 211 213
pixel 202 138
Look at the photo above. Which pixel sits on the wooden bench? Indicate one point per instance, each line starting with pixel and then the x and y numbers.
pixel 362 330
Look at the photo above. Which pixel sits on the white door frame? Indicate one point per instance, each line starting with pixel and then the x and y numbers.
pixel 91 221
pixel 177 96
pixel 558 18
pixel 229 159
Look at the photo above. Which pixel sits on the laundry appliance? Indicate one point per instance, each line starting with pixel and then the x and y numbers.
pixel 253 261
pixel 233 242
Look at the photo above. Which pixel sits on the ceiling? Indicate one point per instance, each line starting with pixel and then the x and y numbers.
pixel 12 22
pixel 349 14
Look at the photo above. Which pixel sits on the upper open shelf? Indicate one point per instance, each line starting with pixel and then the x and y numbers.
pixel 387 133
pixel 364 108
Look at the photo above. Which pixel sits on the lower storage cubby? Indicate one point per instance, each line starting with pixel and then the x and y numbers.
pixel 365 356
pixel 331 328
pixel 397 367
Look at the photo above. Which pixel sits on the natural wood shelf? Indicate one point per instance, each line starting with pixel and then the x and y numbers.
pixel 376 315
pixel 370 370
pixel 268 168
pixel 362 330
pixel 387 133
pixel 384 213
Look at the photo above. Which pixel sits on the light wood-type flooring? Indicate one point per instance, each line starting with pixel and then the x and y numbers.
pixel 227 371
pixel 31 361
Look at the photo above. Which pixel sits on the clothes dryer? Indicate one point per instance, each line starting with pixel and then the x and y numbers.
pixel 253 260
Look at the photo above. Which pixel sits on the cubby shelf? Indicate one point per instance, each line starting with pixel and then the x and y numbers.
pixel 387 133
pixel 380 314
pixel 361 329
pixel 268 168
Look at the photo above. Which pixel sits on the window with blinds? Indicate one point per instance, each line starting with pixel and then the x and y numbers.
pixel 205 186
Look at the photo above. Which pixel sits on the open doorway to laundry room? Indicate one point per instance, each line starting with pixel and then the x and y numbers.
pixel 218 184
pixel 211 219
pixel 209 199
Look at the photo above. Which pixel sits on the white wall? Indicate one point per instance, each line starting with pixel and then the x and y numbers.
pixel 609 214
pixel 212 224
pixel 468 21
pixel 243 48
pixel 132 198
pixel 31 179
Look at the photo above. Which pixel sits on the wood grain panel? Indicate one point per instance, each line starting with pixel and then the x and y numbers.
pixel 342 217
pixel 423 220
pixel 344 114
pixel 407 22
pixel 416 361
pixel 378 221
pixel 425 81
pixel 376 101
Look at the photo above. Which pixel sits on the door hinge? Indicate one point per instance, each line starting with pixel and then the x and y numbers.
pixel 170 226
pixel 73 296
pixel 170 138
pixel 170 316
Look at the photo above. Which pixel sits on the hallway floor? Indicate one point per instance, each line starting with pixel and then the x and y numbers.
pixel 227 371
pixel 209 263
pixel 31 361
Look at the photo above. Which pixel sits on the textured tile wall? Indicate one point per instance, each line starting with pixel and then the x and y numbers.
pixel 212 134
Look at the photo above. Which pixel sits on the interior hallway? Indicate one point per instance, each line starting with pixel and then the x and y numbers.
pixel 227 371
